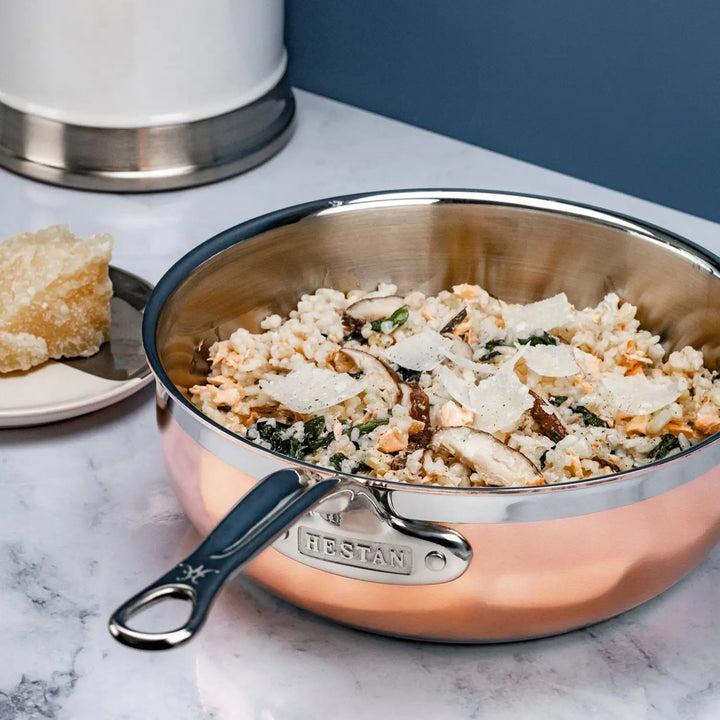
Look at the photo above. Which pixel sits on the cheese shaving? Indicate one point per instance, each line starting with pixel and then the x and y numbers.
pixel 309 389
pixel 456 387
pixel 551 360
pixel 422 352
pixel 500 400
pixel 637 394
pixel 543 315
pixel 476 367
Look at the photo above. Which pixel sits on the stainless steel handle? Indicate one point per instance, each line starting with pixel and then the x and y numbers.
pixel 253 524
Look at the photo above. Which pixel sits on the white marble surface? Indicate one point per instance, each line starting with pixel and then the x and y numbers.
pixel 86 516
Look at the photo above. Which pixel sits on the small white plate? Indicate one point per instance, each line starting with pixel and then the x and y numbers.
pixel 59 390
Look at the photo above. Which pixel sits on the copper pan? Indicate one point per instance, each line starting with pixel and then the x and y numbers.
pixel 433 563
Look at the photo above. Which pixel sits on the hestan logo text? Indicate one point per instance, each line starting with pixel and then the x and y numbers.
pixel 381 557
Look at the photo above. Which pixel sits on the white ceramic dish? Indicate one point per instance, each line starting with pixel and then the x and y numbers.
pixel 59 390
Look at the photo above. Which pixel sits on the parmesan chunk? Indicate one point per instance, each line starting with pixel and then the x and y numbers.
pixel 543 315
pixel 551 360
pixel 54 297
pixel 637 394
pixel 500 400
pixel 423 351
pixel 310 389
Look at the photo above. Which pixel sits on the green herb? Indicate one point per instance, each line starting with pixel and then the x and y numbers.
pixel 491 347
pixel 315 435
pixel 555 435
pixel 267 430
pixel 409 375
pixel 370 425
pixel 337 460
pixel 542 339
pixel 590 418
pixel 399 317
pixel 356 375
pixel 666 445
pixel 543 458
pixel 454 322
pixel 558 400
pixel 274 434
pixel 357 336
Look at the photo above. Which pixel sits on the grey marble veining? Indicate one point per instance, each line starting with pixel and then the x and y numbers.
pixel 87 517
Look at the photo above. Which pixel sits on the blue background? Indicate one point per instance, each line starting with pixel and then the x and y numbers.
pixel 624 94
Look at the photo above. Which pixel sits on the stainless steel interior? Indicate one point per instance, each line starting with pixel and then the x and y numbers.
pixel 519 248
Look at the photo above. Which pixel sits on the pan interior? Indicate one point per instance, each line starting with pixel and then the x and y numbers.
pixel 520 251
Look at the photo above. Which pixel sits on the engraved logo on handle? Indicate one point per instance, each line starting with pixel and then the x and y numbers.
pixel 193 574
pixel 354 533
pixel 378 556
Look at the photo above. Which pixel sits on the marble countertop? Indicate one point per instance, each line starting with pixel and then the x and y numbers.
pixel 87 518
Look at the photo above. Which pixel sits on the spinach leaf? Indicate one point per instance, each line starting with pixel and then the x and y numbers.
pixel 275 435
pixel 337 459
pixel 667 443
pixel 590 418
pixel 491 347
pixel 267 430
pixel 542 339
pixel 315 435
pixel 558 400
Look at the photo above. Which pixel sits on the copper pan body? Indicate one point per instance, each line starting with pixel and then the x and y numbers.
pixel 544 560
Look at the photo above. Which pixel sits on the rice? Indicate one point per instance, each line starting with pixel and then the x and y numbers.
pixel 460 388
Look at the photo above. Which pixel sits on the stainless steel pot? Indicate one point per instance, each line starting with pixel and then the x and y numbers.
pixel 435 563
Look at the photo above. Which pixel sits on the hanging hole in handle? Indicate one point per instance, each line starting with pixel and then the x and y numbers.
pixel 172 604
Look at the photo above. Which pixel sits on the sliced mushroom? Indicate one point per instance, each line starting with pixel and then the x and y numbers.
pixel 399 461
pixel 369 309
pixel 280 413
pixel 545 416
pixel 496 462
pixel 420 411
pixel 375 369
pixel 606 463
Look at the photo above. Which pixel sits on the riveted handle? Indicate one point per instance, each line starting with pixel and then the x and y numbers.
pixel 253 524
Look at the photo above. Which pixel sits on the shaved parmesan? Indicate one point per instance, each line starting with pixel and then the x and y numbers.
pixel 589 364
pixel 480 368
pixel 500 400
pixel 637 394
pixel 455 386
pixel 543 315
pixel 551 360
pixel 309 388
pixel 423 352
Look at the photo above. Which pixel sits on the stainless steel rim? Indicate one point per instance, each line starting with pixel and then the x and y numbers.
pixel 163 157
pixel 431 503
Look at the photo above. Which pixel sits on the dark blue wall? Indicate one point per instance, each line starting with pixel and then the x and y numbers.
pixel 625 94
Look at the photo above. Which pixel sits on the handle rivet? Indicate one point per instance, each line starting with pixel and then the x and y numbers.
pixel 435 560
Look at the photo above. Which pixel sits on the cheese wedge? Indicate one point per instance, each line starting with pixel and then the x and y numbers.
pixel 54 296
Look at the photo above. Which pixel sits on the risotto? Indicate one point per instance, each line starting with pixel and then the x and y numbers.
pixel 460 388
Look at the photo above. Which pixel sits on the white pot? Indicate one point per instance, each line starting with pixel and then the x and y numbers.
pixel 134 63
